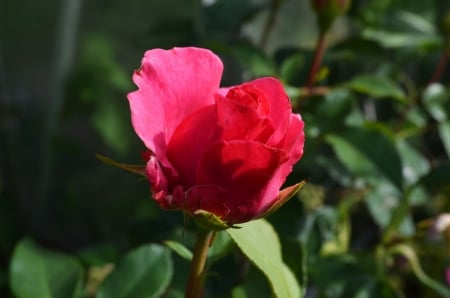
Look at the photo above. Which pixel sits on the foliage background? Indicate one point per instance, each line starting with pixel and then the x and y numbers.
pixel 376 157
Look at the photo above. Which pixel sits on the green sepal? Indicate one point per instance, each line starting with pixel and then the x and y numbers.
pixel 135 169
pixel 283 196
pixel 210 221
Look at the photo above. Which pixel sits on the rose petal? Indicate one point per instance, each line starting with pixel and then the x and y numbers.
pixel 249 96
pixel 292 144
pixel 155 175
pixel 172 84
pixel 191 138
pixel 294 140
pixel 210 198
pixel 242 168
pixel 280 106
pixel 158 181
pixel 240 121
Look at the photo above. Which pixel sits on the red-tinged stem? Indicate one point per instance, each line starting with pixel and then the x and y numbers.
pixel 317 61
pixel 194 287
pixel 440 68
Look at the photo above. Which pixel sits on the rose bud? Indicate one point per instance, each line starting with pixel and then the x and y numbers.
pixel 328 10
pixel 217 154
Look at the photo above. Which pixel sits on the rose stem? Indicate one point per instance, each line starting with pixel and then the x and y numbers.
pixel 440 68
pixel 317 61
pixel 196 274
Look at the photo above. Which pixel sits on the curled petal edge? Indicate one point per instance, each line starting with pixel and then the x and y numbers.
pixel 283 196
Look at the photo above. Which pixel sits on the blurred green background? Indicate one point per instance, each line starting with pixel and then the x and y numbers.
pixel 376 156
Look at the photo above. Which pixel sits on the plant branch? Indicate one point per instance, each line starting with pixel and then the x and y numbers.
pixel 440 68
pixel 197 271
pixel 317 61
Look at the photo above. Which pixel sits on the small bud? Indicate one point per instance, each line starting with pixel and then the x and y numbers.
pixel 328 10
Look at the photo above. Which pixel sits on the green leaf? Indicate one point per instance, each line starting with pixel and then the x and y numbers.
pixel 255 62
pixel 180 249
pixel 390 209
pixel 337 104
pixel 376 86
pixel 444 133
pixel 415 165
pixel 259 234
pixel 39 272
pixel 238 292
pixel 365 150
pixel 438 177
pixel 291 68
pixel 391 39
pixel 434 99
pixel 144 272
pixel 347 276
pixel 220 247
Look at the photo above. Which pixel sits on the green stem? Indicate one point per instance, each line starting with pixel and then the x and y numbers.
pixel 197 272
pixel 317 61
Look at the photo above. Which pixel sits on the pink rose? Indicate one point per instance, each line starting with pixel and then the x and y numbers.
pixel 226 151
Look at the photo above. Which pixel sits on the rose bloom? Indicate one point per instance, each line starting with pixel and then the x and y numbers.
pixel 226 151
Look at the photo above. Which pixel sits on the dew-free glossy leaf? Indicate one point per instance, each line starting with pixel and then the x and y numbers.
pixel 259 242
pixel 254 60
pixel 444 133
pixel 39 272
pixel 144 272
pixel 414 164
pixel 364 149
pixel 438 177
pixel 434 99
pixel 376 86
pixel 180 249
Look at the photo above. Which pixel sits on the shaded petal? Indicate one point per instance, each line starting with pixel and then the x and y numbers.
pixel 172 84
pixel 292 144
pixel 243 168
pixel 191 138
pixel 249 96
pixel 210 198
pixel 158 181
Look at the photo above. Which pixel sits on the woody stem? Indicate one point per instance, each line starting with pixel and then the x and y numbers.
pixel 317 61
